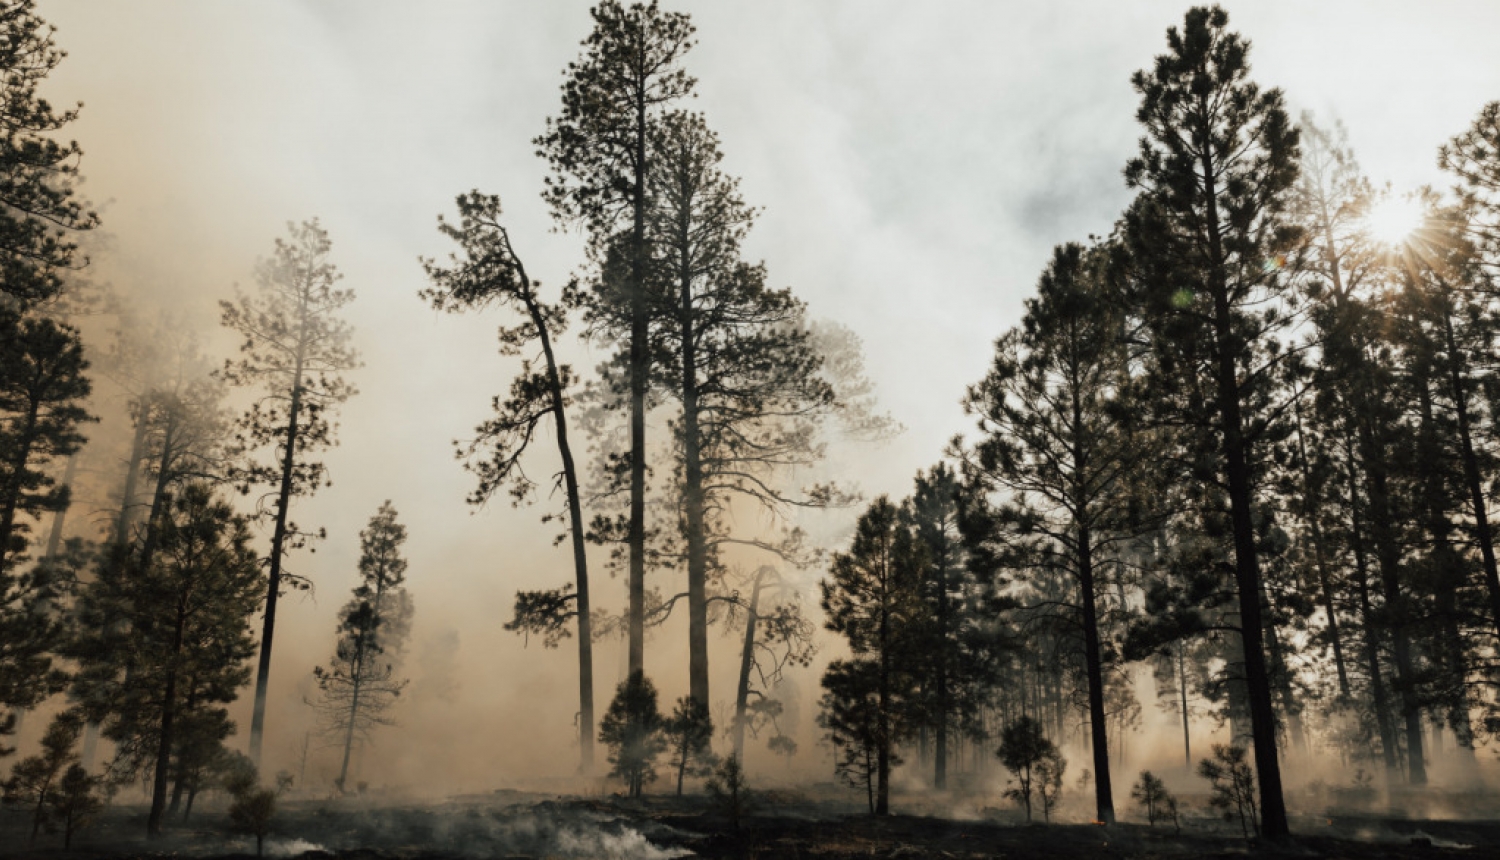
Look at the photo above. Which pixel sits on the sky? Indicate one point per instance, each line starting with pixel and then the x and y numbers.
pixel 915 162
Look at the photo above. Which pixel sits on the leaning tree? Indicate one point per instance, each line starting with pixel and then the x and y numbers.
pixel 489 272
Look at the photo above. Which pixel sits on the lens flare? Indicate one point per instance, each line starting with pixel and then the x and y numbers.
pixel 1393 220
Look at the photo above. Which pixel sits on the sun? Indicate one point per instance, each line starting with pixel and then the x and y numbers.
pixel 1393 220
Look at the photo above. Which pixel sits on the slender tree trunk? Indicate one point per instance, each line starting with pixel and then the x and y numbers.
pixel 1104 802
pixel 54 537
pixel 1282 679
pixel 273 588
pixel 1473 483
pixel 132 475
pixel 1371 630
pixel 164 742
pixel 358 678
pixel 580 575
pixel 1241 499
pixel 1448 574
pixel 179 784
pixel 883 719
pixel 576 527
pixel 1187 738
pixel 1320 557
pixel 640 367
pixel 1388 557
pixel 12 490
pixel 940 729
pixel 747 659
pixel 164 478
pixel 693 501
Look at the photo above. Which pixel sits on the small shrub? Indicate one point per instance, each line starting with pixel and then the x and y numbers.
pixel 252 807
pixel 688 733
pixel 34 780
pixel 1049 781
pixel 1036 764
pixel 631 729
pixel 251 813
pixel 729 791
pixel 1152 793
pixel 1233 786
pixel 76 802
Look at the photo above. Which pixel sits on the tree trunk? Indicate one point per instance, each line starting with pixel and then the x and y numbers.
pixel 1448 575
pixel 1187 739
pixel 1371 631
pixel 1475 486
pixel 692 491
pixel 132 475
pixel 1388 558
pixel 747 659
pixel 940 728
pixel 164 742
pixel 1241 500
pixel 12 490
pixel 576 528
pixel 640 367
pixel 357 676
pixel 159 495
pixel 54 537
pixel 1104 802
pixel 1282 678
pixel 883 717
pixel 1320 557
pixel 273 588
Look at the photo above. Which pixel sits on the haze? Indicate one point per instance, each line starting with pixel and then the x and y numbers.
pixel 916 164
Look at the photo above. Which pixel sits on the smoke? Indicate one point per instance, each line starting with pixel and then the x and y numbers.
pixel 483 829
pixel 915 168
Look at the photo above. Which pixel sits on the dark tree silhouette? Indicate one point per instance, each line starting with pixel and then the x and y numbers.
pixel 1055 441
pixel 631 728
pixel 296 350
pixel 491 272
pixel 777 636
pixel 850 713
pixel 35 781
pixel 597 147
pixel 872 597
pixel 739 359
pixel 1215 169
pixel 158 646
pixel 41 209
pixel 1030 756
pixel 42 391
pixel 359 686
pixel 689 733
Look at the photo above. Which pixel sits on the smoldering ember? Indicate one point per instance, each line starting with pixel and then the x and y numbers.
pixel 749 430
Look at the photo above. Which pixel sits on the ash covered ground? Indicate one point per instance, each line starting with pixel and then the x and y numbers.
pixel 815 822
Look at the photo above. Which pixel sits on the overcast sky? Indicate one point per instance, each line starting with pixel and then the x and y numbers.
pixel 916 163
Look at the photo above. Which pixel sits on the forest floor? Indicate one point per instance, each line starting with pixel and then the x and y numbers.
pixel 802 825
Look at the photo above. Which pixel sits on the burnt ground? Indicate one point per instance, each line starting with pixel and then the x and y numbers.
pixel 784 825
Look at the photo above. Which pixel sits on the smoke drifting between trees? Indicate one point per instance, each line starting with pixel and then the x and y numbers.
pixel 1245 441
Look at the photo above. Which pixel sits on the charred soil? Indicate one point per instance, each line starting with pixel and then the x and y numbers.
pixel 511 825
